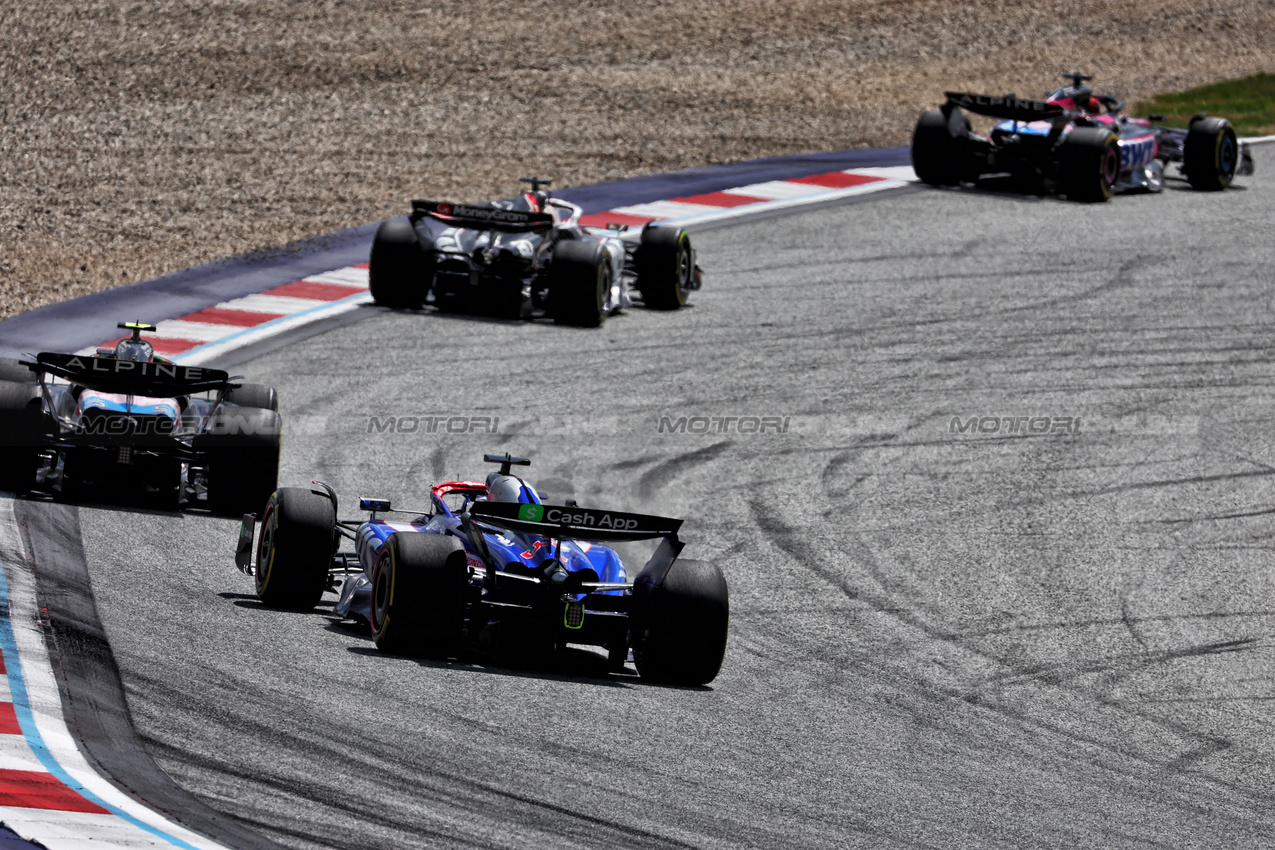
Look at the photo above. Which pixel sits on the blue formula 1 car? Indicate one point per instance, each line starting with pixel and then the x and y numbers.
pixel 527 257
pixel 125 424
pixel 492 568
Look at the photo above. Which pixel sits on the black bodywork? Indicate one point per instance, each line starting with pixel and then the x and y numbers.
pixel 164 434
pixel 527 257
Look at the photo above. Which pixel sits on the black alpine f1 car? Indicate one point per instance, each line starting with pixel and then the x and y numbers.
pixel 1074 143
pixel 126 425
pixel 528 257
pixel 489 567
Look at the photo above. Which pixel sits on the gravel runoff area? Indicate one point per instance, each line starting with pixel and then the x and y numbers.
pixel 145 137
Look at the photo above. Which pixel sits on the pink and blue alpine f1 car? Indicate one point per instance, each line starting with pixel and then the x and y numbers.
pixel 1074 143
pixel 127 425
pixel 490 567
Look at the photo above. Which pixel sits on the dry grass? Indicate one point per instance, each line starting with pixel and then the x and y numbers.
pixel 140 138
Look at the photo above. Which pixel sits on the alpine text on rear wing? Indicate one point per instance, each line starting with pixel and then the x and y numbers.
pixel 1007 107
pixel 131 377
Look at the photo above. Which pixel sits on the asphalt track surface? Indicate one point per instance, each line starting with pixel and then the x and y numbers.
pixel 938 639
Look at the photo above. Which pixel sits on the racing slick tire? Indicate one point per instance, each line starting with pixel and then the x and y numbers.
pixel 418 594
pixel 253 395
pixel 21 434
pixel 398 270
pixel 579 284
pixel 295 548
pixel 13 370
pixel 1089 164
pixel 680 624
pixel 1210 154
pixel 665 267
pixel 241 458
pixel 936 153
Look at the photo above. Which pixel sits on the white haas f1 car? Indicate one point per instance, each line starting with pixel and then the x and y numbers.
pixel 1075 143
pixel 489 567
pixel 125 424
pixel 528 257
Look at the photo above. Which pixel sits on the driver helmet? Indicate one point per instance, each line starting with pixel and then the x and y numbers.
pixel 138 350
pixel 510 488
pixel 537 201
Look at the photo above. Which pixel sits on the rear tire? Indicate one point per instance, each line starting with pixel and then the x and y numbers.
pixel 254 395
pixel 398 270
pixel 21 434
pixel 418 594
pixel 665 267
pixel 680 625
pixel 936 153
pixel 579 281
pixel 241 450
pixel 1211 154
pixel 1089 164
pixel 295 549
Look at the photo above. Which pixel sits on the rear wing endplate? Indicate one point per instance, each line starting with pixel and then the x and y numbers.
pixel 482 217
pixel 573 523
pixel 1007 107
pixel 130 377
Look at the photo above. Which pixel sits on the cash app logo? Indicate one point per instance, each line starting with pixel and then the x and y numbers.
pixel 531 513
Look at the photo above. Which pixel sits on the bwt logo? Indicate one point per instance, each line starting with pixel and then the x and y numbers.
pixel 722 425
pixel 1021 425
pixel 433 424
pixel 1137 152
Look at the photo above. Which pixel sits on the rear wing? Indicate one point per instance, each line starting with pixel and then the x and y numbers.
pixel 131 377
pixel 482 217
pixel 573 523
pixel 1007 107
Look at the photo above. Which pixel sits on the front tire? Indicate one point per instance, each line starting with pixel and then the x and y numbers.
pixel 295 548
pixel 399 273
pixel 579 283
pixel 680 624
pixel 1089 164
pixel 1211 154
pixel 665 267
pixel 418 594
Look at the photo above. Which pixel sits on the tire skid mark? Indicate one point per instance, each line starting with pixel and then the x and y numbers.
pixel 1123 278
pixel 988 693
pixel 449 784
pixel 1129 620
pixel 793 542
pixel 1087 624
pixel 1172 482
pixel 658 477
pixel 1057 674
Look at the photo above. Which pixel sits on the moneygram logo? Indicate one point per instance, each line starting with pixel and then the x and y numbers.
pixel 531 513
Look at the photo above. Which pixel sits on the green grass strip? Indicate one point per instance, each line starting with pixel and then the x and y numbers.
pixel 1248 102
